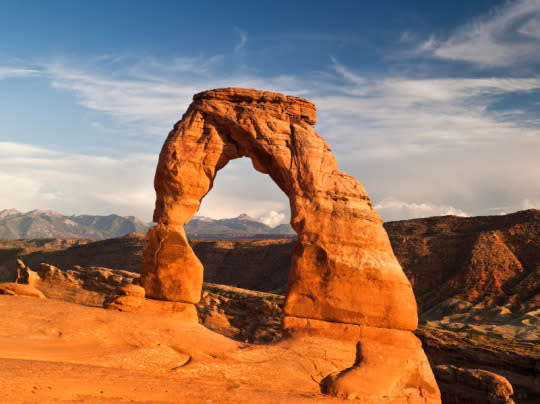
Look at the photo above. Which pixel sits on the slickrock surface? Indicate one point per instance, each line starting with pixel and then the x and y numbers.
pixel 53 351
pixel 255 317
pixel 343 269
pixel 17 289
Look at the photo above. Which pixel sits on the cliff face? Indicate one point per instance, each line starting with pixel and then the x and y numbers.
pixel 493 260
pixel 257 265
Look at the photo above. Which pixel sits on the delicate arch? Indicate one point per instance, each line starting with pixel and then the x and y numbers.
pixel 343 268
pixel 344 283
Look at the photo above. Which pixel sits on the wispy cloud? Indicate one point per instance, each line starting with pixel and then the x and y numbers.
pixel 378 126
pixel 242 42
pixel 13 72
pixel 439 140
pixel 393 209
pixel 399 116
pixel 148 93
pixel 507 36
pixel 38 177
pixel 144 99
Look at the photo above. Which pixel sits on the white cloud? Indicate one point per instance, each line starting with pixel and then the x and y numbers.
pixel 273 218
pixel 13 72
pixel 151 95
pixel 242 42
pixel 531 203
pixel 74 183
pixel 393 209
pixel 505 37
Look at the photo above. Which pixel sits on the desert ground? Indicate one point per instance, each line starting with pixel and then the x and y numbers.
pixel 60 345
pixel 56 351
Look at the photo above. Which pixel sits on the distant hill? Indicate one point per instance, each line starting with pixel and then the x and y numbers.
pixel 50 224
pixel 489 259
pixel 242 226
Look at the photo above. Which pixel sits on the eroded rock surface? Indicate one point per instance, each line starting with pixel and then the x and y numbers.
pixel 343 270
pixel 475 386
pixel 255 317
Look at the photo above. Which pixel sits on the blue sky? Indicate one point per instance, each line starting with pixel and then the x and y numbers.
pixel 433 106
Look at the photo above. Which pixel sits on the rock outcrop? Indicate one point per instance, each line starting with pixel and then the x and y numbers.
pixel 493 260
pixel 343 274
pixel 474 386
pixel 19 289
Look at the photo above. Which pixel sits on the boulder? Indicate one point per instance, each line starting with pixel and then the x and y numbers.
pixel 25 275
pixel 475 386
pixel 131 290
pixel 19 289
pixel 137 304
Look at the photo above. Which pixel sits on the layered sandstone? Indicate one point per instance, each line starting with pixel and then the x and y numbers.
pixel 343 271
pixel 492 260
pixel 343 268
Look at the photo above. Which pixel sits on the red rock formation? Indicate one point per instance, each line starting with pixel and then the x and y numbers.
pixel 488 259
pixel 343 269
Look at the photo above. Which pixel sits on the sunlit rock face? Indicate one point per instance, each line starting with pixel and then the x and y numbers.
pixel 343 270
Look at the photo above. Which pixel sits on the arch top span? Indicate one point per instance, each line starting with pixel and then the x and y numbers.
pixel 344 281
pixel 296 107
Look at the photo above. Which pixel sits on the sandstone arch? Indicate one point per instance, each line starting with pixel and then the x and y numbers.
pixel 345 281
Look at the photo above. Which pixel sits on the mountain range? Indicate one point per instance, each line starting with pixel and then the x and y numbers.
pixel 50 224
